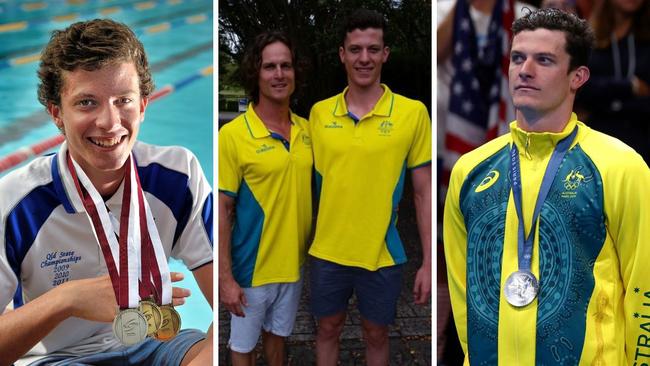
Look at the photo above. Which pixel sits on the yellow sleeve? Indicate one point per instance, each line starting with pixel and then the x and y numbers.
pixel 627 206
pixel 455 243
pixel 420 152
pixel 230 173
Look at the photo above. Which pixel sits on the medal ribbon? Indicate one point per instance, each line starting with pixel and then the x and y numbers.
pixel 152 248
pixel 525 244
pixel 136 231
pixel 123 278
pixel 146 287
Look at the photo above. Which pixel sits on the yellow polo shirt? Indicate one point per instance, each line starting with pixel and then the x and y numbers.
pixel 360 170
pixel 271 184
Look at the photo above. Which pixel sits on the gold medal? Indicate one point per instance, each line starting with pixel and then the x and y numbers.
pixel 152 313
pixel 171 323
pixel 130 327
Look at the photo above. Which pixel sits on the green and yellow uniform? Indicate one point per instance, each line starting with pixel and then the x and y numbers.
pixel 590 252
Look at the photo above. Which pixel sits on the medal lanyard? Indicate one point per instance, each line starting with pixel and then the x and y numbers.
pixel 123 278
pixel 155 278
pixel 147 289
pixel 525 244
pixel 152 248
pixel 136 227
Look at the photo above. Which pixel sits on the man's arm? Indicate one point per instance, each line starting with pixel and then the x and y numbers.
pixel 230 294
pixel 421 178
pixel 91 299
pixel 455 243
pixel 626 198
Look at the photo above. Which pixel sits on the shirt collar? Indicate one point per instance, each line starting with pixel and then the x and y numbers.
pixel 540 143
pixel 65 187
pixel 383 107
pixel 256 127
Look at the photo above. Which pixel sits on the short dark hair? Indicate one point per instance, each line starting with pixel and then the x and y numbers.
pixel 89 45
pixel 579 36
pixel 252 62
pixel 363 19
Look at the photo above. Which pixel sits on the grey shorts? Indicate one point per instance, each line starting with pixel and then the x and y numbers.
pixel 271 307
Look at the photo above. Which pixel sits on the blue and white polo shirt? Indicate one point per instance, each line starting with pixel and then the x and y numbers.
pixel 46 238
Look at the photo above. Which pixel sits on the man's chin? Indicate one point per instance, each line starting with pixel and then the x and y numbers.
pixel 109 165
pixel 364 82
pixel 523 105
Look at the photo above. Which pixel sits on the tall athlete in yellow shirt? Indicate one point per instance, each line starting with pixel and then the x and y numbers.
pixel 364 140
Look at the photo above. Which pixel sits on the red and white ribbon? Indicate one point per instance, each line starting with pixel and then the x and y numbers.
pixel 139 242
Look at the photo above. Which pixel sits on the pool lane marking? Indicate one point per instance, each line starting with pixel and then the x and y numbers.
pixel 34 6
pixel 152 29
pixel 13 27
pixel 22 25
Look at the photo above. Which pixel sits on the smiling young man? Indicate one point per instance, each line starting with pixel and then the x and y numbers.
pixel 265 168
pixel 65 217
pixel 364 141
pixel 545 228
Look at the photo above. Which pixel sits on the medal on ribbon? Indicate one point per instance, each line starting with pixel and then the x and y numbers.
pixel 521 287
pixel 141 284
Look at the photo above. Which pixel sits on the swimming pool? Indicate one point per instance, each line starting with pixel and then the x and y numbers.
pixel 177 36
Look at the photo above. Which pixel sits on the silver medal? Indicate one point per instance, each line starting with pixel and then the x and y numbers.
pixel 521 288
pixel 130 327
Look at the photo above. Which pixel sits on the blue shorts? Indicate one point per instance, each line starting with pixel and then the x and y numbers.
pixel 377 291
pixel 271 307
pixel 149 352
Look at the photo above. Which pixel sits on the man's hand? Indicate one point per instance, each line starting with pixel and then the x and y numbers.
pixel 94 298
pixel 91 298
pixel 232 296
pixel 178 293
pixel 422 285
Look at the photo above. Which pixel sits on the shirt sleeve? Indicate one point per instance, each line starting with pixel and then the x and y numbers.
pixel 420 152
pixel 455 244
pixel 194 245
pixel 8 280
pixel 230 175
pixel 628 223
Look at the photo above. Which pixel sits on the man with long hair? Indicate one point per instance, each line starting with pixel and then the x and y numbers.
pixel 265 167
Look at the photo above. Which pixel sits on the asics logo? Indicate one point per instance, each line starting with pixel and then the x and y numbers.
pixel 488 181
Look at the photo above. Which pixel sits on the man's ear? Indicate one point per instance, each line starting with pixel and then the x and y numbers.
pixel 386 52
pixel 55 111
pixel 579 77
pixel 144 102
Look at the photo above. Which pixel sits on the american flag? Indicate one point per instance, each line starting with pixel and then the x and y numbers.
pixel 480 106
